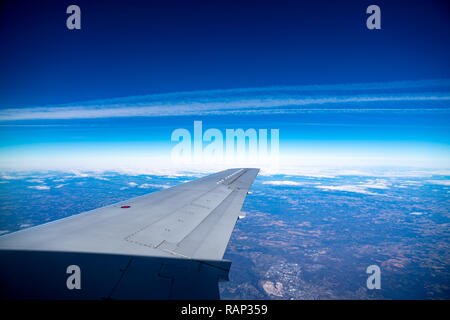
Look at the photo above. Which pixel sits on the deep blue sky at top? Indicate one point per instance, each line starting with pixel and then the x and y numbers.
pixel 140 47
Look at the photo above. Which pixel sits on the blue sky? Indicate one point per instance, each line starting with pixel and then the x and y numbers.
pixel 109 95
pixel 128 48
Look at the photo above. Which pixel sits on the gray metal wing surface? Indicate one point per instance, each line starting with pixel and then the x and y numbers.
pixel 163 245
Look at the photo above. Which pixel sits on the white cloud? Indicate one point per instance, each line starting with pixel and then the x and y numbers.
pixel 288 99
pixel 284 183
pixel 35 181
pixel 6 177
pixel 349 188
pixel 40 187
pixel 375 184
pixel 250 106
pixel 78 174
pixel 101 178
pixel 440 182
pixel 149 185
pixel 364 188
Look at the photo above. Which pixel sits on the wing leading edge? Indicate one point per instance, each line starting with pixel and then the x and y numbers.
pixel 164 245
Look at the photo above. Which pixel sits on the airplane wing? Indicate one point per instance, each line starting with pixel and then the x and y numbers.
pixel 163 245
